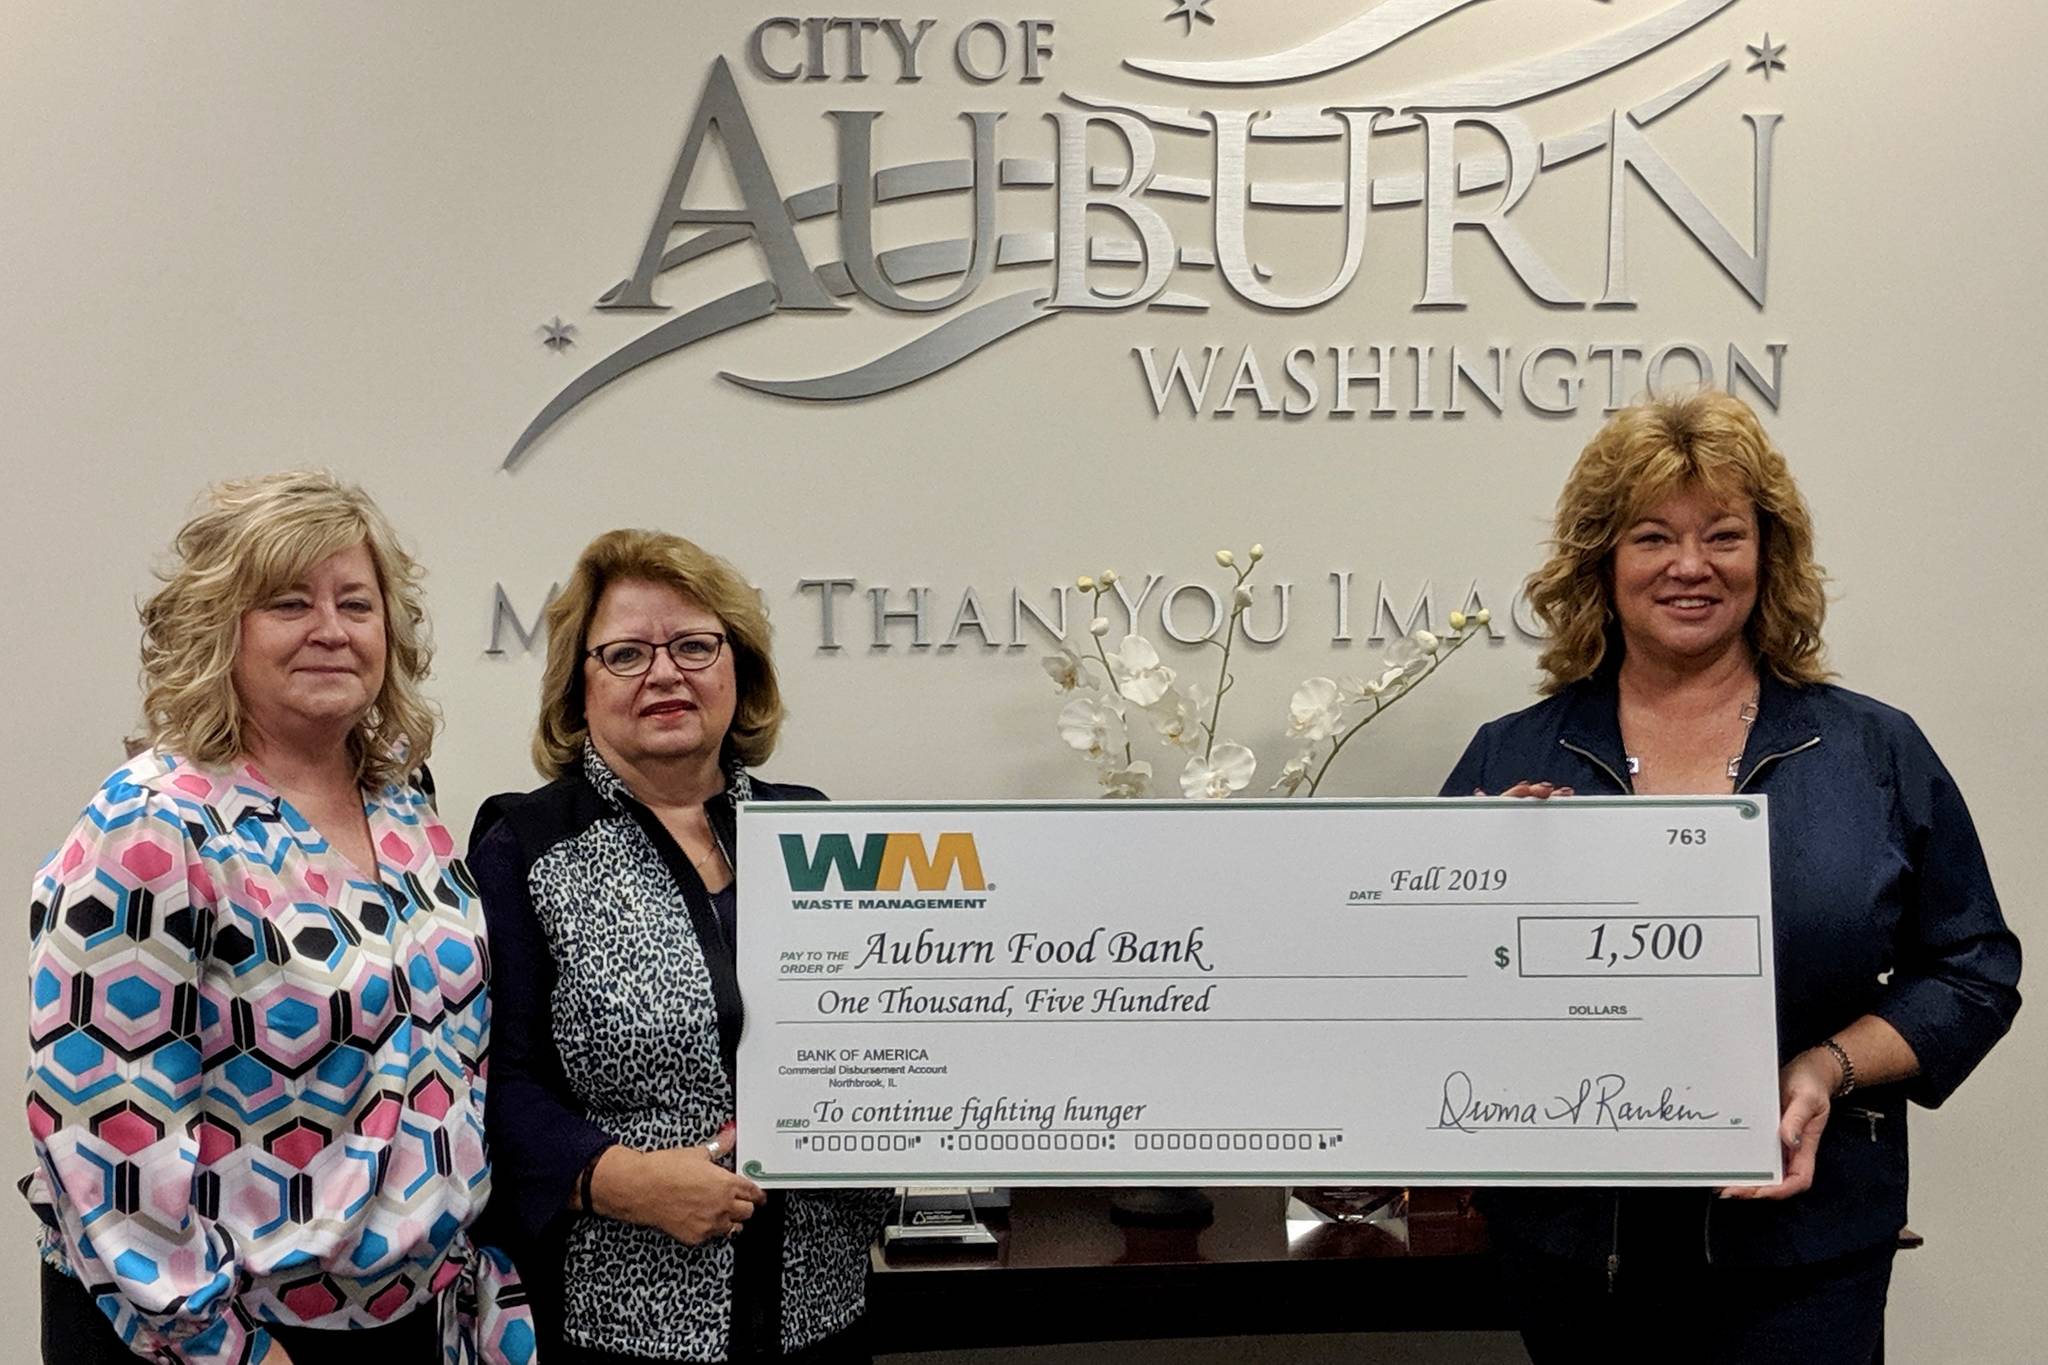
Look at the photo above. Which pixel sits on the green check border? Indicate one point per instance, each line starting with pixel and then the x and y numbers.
pixel 1749 808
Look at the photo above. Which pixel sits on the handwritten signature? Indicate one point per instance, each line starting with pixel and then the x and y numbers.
pixel 1597 1103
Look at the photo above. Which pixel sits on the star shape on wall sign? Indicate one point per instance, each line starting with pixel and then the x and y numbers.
pixel 1191 10
pixel 1767 56
pixel 555 334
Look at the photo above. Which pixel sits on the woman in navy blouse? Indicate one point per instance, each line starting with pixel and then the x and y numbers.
pixel 1684 609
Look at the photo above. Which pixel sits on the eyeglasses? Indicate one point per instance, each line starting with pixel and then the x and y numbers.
pixel 690 651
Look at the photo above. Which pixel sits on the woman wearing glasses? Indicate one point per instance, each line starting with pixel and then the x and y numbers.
pixel 610 898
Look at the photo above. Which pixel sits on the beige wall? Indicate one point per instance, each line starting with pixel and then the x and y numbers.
pixel 240 236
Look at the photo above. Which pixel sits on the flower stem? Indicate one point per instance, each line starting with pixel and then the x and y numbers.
pixel 1380 704
pixel 1109 672
pixel 1223 669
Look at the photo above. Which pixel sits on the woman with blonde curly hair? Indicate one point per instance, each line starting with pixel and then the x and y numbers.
pixel 258 1010
pixel 1684 611
pixel 612 899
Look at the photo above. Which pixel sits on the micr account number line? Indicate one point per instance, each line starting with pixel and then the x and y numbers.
pixel 1127 1128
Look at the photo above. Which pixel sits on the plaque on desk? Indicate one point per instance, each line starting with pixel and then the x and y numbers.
pixel 939 1216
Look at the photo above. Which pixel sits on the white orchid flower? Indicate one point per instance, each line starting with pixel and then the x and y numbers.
pixel 1099 627
pixel 1243 598
pixel 1177 716
pixel 1124 783
pixel 1228 769
pixel 1391 683
pixel 1065 669
pixel 1405 659
pixel 1140 677
pixel 1295 773
pixel 1090 726
pixel 1426 641
pixel 1316 711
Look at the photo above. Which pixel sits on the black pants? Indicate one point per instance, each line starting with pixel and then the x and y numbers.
pixel 841 1348
pixel 76 1332
pixel 1680 1311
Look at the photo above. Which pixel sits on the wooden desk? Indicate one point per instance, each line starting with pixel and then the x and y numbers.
pixel 1062 1271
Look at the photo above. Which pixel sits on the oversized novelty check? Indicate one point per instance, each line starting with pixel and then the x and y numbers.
pixel 1467 992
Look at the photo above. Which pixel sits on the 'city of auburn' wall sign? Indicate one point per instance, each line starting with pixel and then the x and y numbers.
pixel 1127 174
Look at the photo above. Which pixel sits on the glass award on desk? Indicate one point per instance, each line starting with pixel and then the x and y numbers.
pixel 939 1216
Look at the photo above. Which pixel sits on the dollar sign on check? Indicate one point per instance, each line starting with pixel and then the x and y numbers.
pixel 1500 957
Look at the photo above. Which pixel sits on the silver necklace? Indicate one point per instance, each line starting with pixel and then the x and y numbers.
pixel 1748 715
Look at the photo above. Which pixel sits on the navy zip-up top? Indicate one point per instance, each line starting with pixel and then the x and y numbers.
pixel 1881 904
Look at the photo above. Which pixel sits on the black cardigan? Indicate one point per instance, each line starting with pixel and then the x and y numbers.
pixel 541 1131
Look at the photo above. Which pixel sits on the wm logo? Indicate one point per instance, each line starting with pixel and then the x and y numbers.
pixel 882 861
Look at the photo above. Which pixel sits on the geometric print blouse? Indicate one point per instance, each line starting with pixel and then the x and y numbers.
pixel 256 1091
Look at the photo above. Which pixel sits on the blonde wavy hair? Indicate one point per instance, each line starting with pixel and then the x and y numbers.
pixel 696 573
pixel 1708 440
pixel 251 539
